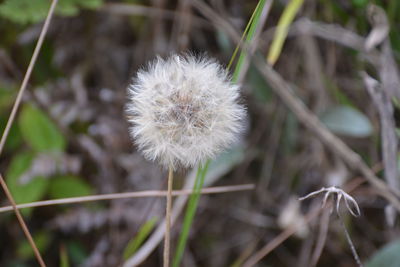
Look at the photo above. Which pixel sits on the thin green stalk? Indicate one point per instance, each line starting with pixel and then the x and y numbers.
pixel 190 212
pixel 202 171
pixel 252 29
pixel 242 38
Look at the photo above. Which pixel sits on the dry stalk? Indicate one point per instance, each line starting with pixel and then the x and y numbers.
pixel 22 223
pixel 167 240
pixel 150 193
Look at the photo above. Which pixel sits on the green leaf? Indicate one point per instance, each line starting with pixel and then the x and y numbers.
pixel 14 138
pixel 143 233
pixel 39 131
pixel 24 11
pixel 28 11
pixel 347 121
pixel 42 241
pixel 388 256
pixel 31 191
pixel 68 186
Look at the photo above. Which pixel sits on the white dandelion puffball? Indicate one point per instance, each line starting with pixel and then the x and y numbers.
pixel 184 110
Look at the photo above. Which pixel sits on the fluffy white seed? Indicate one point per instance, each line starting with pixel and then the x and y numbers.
pixel 183 110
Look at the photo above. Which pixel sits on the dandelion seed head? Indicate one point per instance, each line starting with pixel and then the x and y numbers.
pixel 183 110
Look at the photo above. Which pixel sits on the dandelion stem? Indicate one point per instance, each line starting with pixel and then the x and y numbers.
pixel 168 218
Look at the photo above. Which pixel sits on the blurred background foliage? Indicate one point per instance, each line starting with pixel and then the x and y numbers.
pixel 25 11
pixel 71 139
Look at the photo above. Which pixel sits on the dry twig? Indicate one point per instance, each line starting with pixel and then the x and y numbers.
pixel 150 193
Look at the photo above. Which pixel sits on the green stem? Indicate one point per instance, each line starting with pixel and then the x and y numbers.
pixel 249 36
pixel 190 212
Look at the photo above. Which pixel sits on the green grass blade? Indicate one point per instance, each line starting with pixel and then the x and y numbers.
pixel 243 36
pixel 249 36
pixel 282 30
pixel 190 212
pixel 143 233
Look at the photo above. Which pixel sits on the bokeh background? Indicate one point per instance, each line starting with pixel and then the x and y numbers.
pixel 70 137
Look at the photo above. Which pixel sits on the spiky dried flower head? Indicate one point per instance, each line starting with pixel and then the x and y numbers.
pixel 183 110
